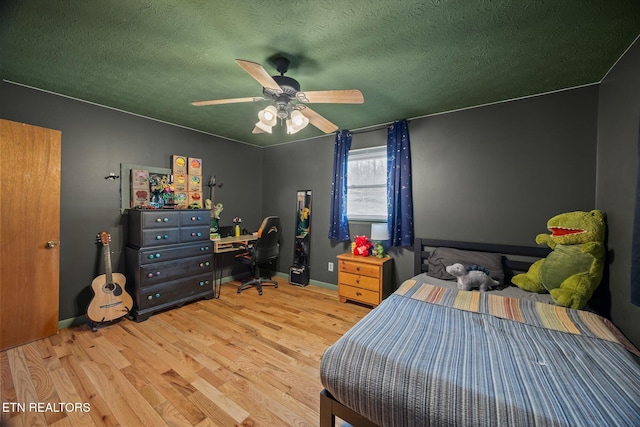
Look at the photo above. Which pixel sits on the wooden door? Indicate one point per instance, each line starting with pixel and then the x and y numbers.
pixel 29 232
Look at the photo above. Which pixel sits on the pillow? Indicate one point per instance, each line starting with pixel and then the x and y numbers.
pixel 440 258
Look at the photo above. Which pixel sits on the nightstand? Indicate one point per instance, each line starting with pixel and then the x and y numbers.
pixel 367 280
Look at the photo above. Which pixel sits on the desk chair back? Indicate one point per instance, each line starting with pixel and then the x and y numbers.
pixel 267 247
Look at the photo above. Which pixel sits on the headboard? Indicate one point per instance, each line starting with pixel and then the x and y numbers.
pixel 515 258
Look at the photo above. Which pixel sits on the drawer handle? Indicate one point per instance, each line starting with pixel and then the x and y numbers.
pixel 198 234
pixel 196 218
pixel 152 256
pixel 157 295
pixel 358 294
pixel 150 297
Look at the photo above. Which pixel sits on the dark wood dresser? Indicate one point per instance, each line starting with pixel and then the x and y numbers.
pixel 169 259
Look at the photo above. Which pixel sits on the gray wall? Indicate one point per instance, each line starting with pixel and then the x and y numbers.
pixel 618 121
pixel 490 174
pixel 95 140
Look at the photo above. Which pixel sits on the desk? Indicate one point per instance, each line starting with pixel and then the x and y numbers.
pixel 230 244
pixel 222 246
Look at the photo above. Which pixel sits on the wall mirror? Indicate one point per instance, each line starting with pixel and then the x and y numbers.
pixel 300 268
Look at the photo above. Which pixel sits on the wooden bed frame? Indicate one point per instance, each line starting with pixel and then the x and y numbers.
pixel 515 259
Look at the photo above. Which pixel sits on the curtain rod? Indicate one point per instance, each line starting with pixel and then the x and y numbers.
pixel 375 127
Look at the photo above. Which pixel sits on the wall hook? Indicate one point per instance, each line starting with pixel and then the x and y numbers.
pixel 112 176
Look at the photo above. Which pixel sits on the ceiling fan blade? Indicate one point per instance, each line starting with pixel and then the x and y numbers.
pixel 227 101
pixel 318 121
pixel 350 96
pixel 260 74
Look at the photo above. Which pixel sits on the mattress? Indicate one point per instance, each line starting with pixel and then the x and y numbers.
pixel 430 355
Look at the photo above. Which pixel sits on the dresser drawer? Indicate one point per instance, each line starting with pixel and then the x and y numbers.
pixel 170 292
pixel 160 254
pixel 150 274
pixel 358 294
pixel 160 236
pixel 359 268
pixel 194 234
pixel 190 218
pixel 359 281
pixel 158 219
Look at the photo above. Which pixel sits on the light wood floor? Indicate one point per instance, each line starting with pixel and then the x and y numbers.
pixel 242 359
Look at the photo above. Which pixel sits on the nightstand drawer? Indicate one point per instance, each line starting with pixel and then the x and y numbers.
pixel 358 294
pixel 359 268
pixel 360 281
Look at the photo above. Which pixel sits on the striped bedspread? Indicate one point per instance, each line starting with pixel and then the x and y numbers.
pixel 434 356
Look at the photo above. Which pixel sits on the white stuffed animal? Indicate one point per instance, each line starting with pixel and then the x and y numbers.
pixel 469 279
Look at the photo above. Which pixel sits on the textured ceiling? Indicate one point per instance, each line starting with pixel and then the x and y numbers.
pixel 409 58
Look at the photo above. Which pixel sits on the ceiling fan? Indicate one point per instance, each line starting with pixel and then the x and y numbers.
pixel 289 103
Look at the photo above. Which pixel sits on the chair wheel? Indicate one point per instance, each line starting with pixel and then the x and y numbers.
pixel 275 286
pixel 259 292
pixel 239 291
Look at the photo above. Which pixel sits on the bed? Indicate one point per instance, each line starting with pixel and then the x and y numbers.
pixel 433 355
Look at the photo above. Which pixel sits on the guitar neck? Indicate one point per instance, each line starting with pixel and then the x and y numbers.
pixel 107 263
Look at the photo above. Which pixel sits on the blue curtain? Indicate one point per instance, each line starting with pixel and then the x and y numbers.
pixel 399 192
pixel 635 242
pixel 338 224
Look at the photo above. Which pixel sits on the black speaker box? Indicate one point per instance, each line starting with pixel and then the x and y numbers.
pixel 299 275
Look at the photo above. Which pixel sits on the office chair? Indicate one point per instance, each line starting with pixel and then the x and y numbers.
pixel 262 254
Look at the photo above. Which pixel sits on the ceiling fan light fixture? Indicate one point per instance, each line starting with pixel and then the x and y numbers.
pixel 263 127
pixel 296 122
pixel 268 116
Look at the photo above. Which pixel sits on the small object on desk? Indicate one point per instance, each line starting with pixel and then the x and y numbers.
pixel 236 222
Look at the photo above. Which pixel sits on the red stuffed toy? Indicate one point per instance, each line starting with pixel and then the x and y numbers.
pixel 362 246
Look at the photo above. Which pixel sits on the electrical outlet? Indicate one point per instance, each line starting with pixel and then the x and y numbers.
pixel 330 266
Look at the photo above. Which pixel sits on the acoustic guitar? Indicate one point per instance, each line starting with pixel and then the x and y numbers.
pixel 111 301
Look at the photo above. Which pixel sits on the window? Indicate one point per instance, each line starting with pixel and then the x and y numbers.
pixel 367 184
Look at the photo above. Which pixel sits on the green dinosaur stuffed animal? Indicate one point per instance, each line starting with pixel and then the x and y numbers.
pixel 574 269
